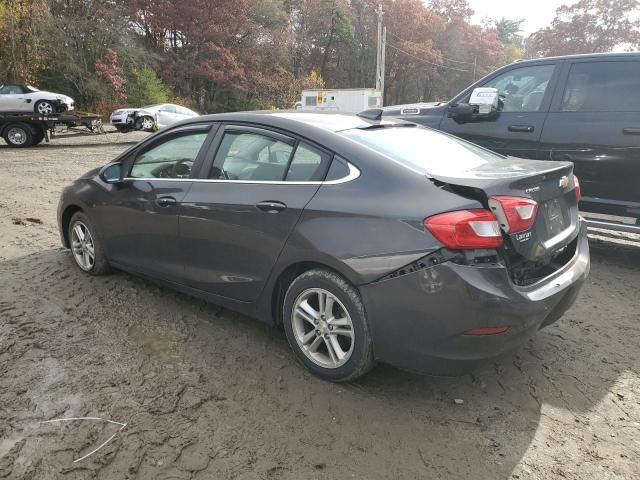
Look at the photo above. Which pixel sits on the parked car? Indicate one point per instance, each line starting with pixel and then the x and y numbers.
pixel 150 118
pixel 360 236
pixel 580 108
pixel 25 98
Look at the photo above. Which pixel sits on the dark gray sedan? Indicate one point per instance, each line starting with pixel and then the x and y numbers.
pixel 367 239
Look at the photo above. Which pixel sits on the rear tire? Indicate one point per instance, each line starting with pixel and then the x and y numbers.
pixel 18 135
pixel 330 337
pixel 86 246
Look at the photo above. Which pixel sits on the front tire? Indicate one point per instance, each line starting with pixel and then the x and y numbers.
pixel 326 326
pixel 86 246
pixel 146 124
pixel 44 107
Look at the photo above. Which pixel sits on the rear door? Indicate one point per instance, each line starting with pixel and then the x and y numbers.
pixel 167 115
pixel 594 122
pixel 141 218
pixel 236 219
pixel 525 94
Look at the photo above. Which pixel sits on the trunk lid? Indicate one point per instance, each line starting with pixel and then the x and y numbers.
pixel 550 184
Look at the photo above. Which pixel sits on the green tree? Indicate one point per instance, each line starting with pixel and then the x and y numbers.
pixel 509 31
pixel 145 88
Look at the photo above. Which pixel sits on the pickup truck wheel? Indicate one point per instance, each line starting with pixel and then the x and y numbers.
pixel 45 107
pixel 18 135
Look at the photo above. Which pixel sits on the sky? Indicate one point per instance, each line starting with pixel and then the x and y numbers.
pixel 536 14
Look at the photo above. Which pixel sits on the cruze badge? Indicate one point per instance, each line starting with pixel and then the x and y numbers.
pixel 564 182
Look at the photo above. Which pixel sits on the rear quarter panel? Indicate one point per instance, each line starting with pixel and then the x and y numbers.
pixel 373 225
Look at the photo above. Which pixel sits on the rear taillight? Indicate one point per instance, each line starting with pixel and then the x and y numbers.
pixel 515 214
pixel 466 229
pixel 577 188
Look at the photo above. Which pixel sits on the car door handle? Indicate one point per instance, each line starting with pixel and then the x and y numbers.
pixel 166 201
pixel 521 128
pixel 631 131
pixel 271 206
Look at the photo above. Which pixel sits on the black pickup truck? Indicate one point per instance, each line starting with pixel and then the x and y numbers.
pixel 581 108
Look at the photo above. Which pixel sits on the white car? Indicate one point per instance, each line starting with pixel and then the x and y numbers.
pixel 150 118
pixel 25 98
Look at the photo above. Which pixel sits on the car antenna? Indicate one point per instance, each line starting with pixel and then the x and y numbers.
pixel 372 114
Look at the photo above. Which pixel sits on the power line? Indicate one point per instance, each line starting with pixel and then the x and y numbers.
pixel 424 51
pixel 426 61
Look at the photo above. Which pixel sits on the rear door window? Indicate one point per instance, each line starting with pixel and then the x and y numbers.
pixel 250 156
pixel 602 87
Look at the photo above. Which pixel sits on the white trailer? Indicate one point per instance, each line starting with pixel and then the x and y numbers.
pixel 353 100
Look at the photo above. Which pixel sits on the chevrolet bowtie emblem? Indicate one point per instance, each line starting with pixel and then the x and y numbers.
pixel 564 182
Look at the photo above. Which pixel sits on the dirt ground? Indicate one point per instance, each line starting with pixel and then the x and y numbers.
pixel 210 394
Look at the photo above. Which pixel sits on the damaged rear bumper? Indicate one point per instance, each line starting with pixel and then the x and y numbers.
pixel 418 320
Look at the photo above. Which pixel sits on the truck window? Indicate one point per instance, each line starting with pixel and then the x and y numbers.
pixel 602 87
pixel 522 89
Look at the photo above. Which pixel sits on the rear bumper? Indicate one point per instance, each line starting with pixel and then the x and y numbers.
pixel 418 320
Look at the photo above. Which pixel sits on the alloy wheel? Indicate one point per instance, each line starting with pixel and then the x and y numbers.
pixel 45 108
pixel 147 123
pixel 82 246
pixel 323 328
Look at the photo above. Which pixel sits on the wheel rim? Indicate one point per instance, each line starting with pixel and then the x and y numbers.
pixel 147 124
pixel 17 136
pixel 82 246
pixel 45 108
pixel 323 328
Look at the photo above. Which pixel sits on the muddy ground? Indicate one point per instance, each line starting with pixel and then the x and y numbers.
pixel 210 394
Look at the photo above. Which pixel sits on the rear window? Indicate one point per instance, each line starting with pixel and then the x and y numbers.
pixel 425 151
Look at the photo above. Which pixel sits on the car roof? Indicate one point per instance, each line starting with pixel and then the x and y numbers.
pixel 582 56
pixel 327 121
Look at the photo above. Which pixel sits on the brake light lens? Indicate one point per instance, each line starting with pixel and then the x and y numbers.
pixel 577 188
pixel 465 229
pixel 515 214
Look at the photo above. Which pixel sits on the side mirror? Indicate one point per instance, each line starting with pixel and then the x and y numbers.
pixel 485 100
pixel 461 112
pixel 112 173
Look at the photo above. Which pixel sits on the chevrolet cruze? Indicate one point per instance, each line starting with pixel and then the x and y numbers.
pixel 367 239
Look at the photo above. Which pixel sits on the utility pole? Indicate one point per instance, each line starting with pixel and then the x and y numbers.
pixel 384 60
pixel 380 59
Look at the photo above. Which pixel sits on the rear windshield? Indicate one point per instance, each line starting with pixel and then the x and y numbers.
pixel 425 151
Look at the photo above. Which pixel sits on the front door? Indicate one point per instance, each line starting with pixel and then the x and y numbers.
pixel 595 123
pixel 141 221
pixel 12 99
pixel 235 222
pixel 525 93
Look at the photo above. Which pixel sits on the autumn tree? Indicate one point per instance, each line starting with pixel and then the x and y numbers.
pixel 20 52
pixel 588 26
